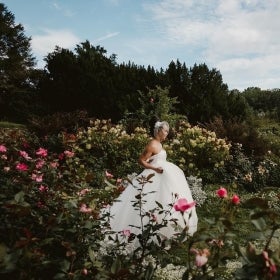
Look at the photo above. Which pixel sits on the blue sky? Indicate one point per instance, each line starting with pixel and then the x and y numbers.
pixel 240 38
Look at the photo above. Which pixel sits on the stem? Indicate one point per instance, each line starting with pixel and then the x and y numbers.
pixel 270 237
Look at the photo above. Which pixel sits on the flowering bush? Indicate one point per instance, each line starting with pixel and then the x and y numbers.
pixel 197 150
pixel 104 146
pixel 45 202
pixel 248 172
pixel 51 226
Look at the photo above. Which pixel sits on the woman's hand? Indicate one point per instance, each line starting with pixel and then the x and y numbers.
pixel 158 170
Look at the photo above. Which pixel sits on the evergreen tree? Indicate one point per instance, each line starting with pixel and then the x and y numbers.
pixel 208 94
pixel 16 64
pixel 178 78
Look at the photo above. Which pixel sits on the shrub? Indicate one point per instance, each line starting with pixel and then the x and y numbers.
pixel 249 173
pixel 51 226
pixel 197 150
pixel 243 133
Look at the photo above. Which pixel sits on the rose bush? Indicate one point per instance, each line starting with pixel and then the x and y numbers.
pixel 51 226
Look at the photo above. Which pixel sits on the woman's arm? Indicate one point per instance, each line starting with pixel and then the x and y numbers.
pixel 149 150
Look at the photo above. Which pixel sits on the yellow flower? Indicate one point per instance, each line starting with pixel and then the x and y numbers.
pixel 88 146
pixel 193 143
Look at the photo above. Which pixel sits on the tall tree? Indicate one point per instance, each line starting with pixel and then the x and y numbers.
pixel 208 94
pixel 59 90
pixel 16 61
pixel 178 78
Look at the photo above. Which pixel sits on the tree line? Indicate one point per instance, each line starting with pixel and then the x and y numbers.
pixel 89 79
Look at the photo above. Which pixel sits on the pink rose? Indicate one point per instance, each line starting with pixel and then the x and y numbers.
pixel 85 209
pixel 235 199
pixel 54 164
pixel 40 204
pixel 3 149
pixel 108 175
pixel 42 152
pixel 221 192
pixel 37 177
pixel 61 156
pixel 40 163
pixel 7 168
pixel 269 263
pixel 183 205
pixel 21 167
pixel 126 232
pixel 83 192
pixel 69 154
pixel 24 155
pixel 201 256
pixel 200 260
pixel 43 188
pixel 154 218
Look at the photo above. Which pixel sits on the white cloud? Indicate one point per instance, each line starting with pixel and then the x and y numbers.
pixel 238 37
pixel 65 12
pixel 107 36
pixel 43 44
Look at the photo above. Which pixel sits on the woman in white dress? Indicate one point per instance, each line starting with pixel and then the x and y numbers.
pixel 166 185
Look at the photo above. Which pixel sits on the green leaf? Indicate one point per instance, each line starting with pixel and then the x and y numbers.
pixel 256 202
pixel 260 224
pixel 150 176
pixel 116 266
pixel 91 255
pixel 19 197
pixel 159 205
pixel 149 272
pixel 60 276
pixel 64 266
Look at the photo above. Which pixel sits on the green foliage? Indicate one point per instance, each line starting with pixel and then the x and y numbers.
pixel 53 124
pixel 269 130
pixel 244 133
pixel 45 231
pixel 263 100
pixel 15 53
pixel 11 125
pixel 105 146
pixel 207 94
pixel 16 66
pixel 248 172
pixel 154 105
pixel 89 79
pixel 238 107
pixel 51 226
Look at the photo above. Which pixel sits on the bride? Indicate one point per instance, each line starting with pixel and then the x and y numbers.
pixel 166 184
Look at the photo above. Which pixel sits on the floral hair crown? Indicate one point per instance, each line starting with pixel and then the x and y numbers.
pixel 158 124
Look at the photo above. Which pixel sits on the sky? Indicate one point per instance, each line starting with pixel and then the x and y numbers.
pixel 239 38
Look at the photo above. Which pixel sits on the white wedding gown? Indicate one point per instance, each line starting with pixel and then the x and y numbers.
pixel 162 189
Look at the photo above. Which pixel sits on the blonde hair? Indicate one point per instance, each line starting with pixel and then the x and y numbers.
pixel 159 125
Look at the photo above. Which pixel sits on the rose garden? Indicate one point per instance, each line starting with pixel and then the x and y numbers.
pixel 53 190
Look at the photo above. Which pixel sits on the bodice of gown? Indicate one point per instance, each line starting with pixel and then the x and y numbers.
pixel 158 158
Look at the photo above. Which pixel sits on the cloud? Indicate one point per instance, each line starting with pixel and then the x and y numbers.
pixel 46 43
pixel 108 36
pixel 65 12
pixel 236 36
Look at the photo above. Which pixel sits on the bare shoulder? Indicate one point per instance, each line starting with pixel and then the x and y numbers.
pixel 153 146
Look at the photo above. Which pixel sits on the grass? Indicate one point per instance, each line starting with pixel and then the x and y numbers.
pixel 6 124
